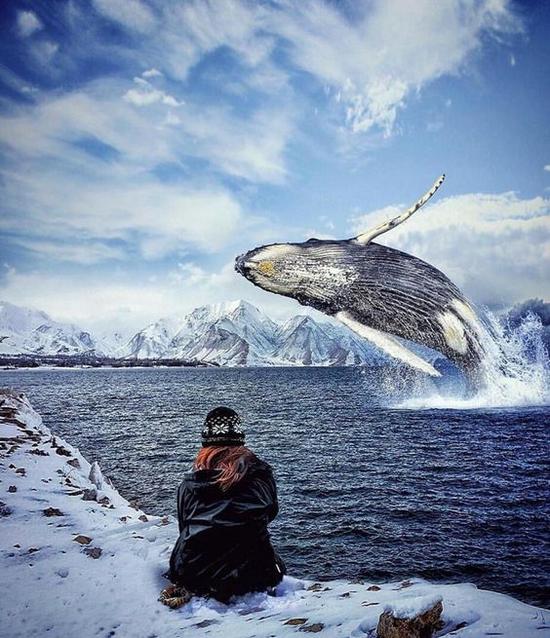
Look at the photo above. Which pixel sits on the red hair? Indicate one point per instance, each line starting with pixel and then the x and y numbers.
pixel 232 460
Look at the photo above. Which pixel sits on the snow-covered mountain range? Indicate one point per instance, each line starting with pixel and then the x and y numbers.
pixel 28 331
pixel 232 334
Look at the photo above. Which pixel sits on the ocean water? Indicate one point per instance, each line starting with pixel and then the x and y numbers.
pixel 379 476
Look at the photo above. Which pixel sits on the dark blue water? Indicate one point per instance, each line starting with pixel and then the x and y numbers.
pixel 366 491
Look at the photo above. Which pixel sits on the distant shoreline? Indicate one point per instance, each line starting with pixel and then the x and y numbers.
pixel 34 362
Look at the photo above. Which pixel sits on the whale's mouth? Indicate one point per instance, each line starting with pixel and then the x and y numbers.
pixel 243 266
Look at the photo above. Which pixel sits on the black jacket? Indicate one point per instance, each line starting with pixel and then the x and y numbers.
pixel 224 547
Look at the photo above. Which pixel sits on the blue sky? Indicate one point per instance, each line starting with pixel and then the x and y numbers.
pixel 145 144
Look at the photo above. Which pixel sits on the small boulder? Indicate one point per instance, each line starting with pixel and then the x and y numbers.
pixel 83 540
pixel 89 495
pixel 295 621
pixel 315 587
pixel 143 518
pixel 423 625
pixel 52 511
pixel 12 488
pixel 4 509
pixel 93 552
pixel 313 628
pixel 74 463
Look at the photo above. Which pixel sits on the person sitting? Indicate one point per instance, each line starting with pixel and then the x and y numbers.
pixel 224 507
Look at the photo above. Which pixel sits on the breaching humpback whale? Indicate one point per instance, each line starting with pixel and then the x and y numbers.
pixel 377 291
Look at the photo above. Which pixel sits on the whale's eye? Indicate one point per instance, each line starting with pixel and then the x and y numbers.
pixel 266 268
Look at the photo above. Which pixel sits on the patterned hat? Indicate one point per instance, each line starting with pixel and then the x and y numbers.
pixel 222 427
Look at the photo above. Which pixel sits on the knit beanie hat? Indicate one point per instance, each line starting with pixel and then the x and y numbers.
pixel 222 426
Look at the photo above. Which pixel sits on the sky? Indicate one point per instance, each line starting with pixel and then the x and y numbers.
pixel 144 144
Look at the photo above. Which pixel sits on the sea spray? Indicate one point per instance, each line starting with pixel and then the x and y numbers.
pixel 515 372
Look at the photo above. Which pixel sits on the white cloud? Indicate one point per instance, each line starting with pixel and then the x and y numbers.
pixel 86 253
pixel 158 218
pixel 43 51
pixel 132 14
pixel 495 247
pixel 58 189
pixel 250 145
pixel 129 303
pixel 151 73
pixel 547 168
pixel 28 23
pixel 147 95
pixel 392 50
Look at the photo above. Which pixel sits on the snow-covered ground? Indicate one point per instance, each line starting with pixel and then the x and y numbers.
pixel 77 560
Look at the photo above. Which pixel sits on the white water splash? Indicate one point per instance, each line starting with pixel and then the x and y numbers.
pixel 516 372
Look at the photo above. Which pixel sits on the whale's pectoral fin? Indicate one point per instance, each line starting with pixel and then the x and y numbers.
pixel 368 236
pixel 387 343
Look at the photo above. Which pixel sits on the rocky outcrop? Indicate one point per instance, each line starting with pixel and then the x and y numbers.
pixel 392 624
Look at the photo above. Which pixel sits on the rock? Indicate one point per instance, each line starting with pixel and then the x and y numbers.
pixel 460 625
pixel 38 452
pixel 313 628
pixel 104 501
pixel 12 488
pixel 373 588
pixel 206 623
pixel 4 509
pixel 31 550
pixel 62 451
pixel 423 625
pixel 83 540
pixel 52 511
pixel 134 504
pixel 143 518
pixel 74 463
pixel 93 552
pixel 21 470
pixel 89 495
pixel 315 587
pixel 295 621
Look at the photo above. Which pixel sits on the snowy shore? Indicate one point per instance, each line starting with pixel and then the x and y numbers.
pixel 77 559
